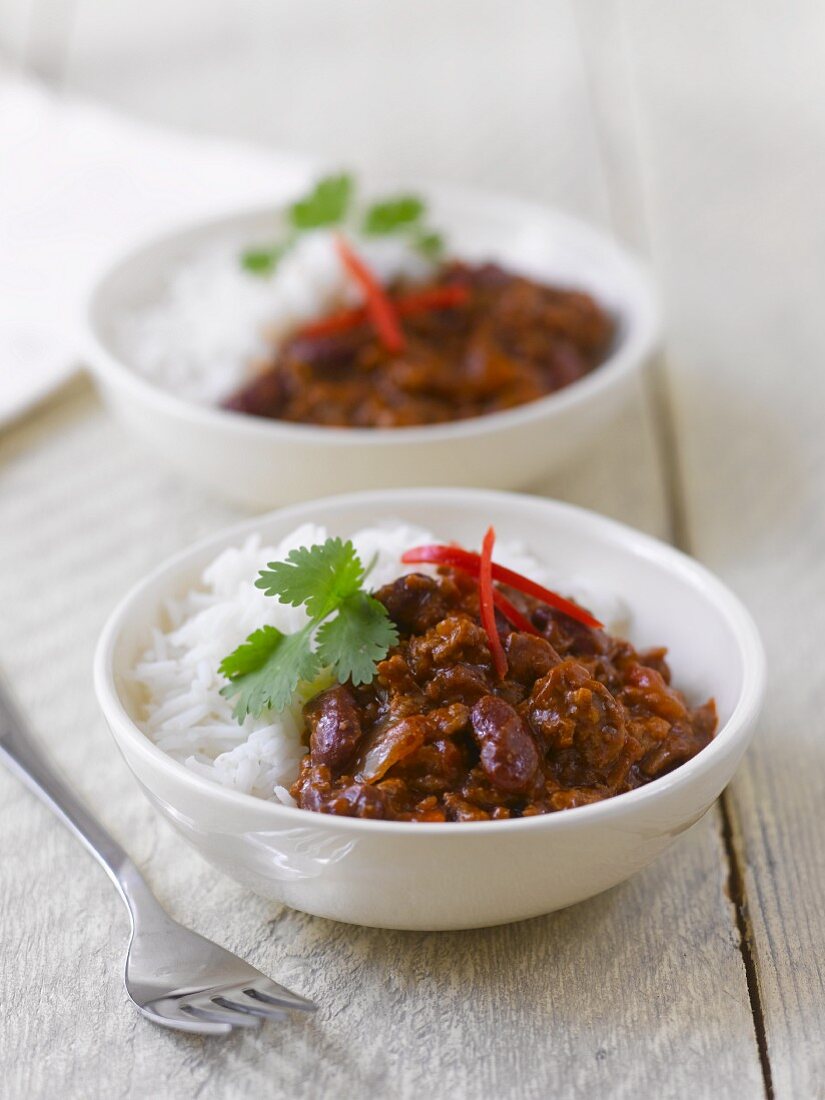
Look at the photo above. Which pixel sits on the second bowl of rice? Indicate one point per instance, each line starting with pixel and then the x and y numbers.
pixel 170 325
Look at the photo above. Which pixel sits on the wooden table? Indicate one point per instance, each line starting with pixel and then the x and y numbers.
pixel 703 976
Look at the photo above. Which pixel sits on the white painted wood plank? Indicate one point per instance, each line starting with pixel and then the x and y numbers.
pixel 15 20
pixel 733 100
pixel 34 35
pixel 484 93
pixel 638 993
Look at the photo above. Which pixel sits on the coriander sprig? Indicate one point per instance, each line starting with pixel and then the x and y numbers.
pixel 332 202
pixel 393 214
pixel 348 630
pixel 326 204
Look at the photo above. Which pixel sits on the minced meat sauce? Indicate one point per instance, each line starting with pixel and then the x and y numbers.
pixel 512 340
pixel 436 736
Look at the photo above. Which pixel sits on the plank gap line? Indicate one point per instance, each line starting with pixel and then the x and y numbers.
pixel 739 899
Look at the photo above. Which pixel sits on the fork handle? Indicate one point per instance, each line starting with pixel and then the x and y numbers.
pixel 24 757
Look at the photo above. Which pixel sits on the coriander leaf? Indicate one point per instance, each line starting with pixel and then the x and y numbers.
pixel 266 669
pixel 392 214
pixel 263 261
pixel 326 204
pixel 319 576
pixel 430 244
pixel 251 654
pixel 357 638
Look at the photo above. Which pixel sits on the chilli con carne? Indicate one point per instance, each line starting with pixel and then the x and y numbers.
pixel 476 339
pixel 448 729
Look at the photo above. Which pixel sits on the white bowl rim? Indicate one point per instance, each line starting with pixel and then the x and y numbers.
pixel 636 343
pixel 738 725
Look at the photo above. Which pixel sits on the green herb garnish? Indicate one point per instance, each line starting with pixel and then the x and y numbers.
pixel 429 244
pixel 350 629
pixel 263 261
pixel 404 214
pixel 331 202
pixel 393 214
pixel 326 204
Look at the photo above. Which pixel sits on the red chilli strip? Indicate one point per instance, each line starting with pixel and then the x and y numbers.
pixel 469 562
pixel 436 297
pixel 487 607
pixel 379 307
pixel 407 305
pixel 513 615
pixel 335 323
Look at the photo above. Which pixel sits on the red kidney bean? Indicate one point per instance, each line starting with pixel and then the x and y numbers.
pixel 414 602
pixel 529 657
pixel 335 727
pixel 509 755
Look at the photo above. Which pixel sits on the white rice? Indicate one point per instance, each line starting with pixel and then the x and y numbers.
pixel 213 321
pixel 183 711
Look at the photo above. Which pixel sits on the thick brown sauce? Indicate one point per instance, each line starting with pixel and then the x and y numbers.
pixel 580 716
pixel 511 342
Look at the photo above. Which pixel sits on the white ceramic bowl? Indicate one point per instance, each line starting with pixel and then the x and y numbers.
pixel 261 462
pixel 451 875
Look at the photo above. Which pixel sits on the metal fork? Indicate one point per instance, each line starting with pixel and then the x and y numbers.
pixel 174 976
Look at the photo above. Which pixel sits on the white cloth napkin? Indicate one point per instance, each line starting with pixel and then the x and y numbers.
pixel 78 183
